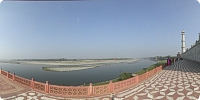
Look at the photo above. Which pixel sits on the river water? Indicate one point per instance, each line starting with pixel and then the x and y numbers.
pixel 79 77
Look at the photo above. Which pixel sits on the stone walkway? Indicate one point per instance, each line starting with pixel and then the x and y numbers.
pixel 10 88
pixel 180 81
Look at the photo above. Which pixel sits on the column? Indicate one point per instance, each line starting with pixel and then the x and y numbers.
pixel 13 76
pixel 111 86
pixel 8 74
pixel 47 87
pixel 32 83
pixel 90 90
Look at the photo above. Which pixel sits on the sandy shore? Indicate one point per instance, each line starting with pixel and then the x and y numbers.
pixel 64 69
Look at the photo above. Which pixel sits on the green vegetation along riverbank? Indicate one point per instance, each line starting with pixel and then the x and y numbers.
pixel 126 75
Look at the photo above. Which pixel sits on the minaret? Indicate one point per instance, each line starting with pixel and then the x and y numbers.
pixel 183 42
pixel 199 36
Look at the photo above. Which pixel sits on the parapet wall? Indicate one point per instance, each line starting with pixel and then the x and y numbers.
pixel 81 91
pixel 193 53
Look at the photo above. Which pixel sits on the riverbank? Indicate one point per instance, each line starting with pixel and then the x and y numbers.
pixel 122 77
pixel 78 62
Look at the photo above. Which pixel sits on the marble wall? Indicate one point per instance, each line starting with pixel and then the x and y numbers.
pixel 193 53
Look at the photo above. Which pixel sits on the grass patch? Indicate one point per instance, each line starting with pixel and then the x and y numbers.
pixel 151 68
pixel 106 82
pixel 140 72
pixel 160 62
pixel 116 80
pixel 101 83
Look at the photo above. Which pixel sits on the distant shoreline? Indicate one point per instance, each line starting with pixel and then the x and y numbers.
pixel 61 66
pixel 78 62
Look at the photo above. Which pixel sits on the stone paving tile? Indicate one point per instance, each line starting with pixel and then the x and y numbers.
pixel 180 81
pixel 33 95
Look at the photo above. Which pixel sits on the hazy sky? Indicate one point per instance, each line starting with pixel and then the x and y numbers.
pixel 96 28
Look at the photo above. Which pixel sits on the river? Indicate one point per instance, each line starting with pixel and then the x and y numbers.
pixel 78 77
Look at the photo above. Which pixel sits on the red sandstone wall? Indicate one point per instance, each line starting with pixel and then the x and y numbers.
pixel 79 91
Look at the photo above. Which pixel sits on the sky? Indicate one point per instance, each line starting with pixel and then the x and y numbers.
pixel 96 28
